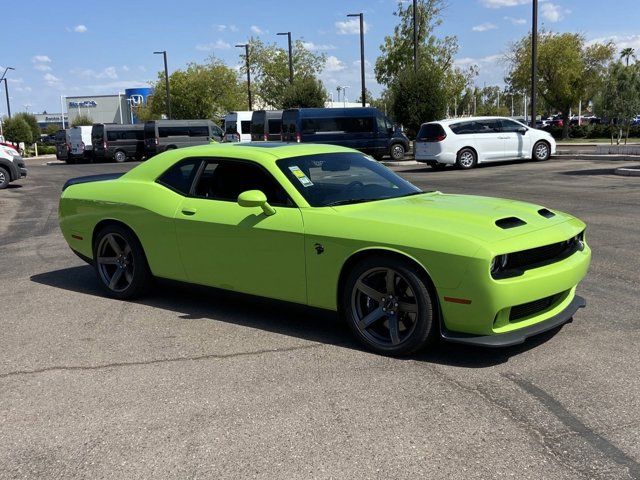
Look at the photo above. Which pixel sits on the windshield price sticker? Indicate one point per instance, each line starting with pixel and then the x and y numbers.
pixel 299 174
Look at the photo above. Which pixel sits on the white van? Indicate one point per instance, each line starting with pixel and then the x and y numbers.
pixel 80 141
pixel 237 126
pixel 465 142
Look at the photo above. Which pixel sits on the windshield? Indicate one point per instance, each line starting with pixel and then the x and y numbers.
pixel 343 178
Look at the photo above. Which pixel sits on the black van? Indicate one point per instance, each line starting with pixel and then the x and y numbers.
pixel 117 142
pixel 161 135
pixel 266 126
pixel 362 128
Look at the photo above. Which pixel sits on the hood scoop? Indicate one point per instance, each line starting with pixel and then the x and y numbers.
pixel 546 213
pixel 510 222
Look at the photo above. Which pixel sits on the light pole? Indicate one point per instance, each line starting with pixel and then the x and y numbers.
pixel 246 54
pixel 288 34
pixel 364 90
pixel 6 89
pixel 344 95
pixel 166 81
pixel 415 36
pixel 534 62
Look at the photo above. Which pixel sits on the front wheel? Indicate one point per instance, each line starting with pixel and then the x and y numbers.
pixel 120 263
pixel 4 178
pixel 120 156
pixel 541 151
pixel 387 306
pixel 397 152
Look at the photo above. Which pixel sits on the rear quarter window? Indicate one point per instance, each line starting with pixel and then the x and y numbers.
pixel 179 177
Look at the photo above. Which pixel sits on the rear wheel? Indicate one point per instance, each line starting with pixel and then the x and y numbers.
pixel 120 263
pixel 467 159
pixel 5 178
pixel 119 156
pixel 397 151
pixel 388 306
pixel 541 151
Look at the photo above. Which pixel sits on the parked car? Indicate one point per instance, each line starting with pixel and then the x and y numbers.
pixel 117 142
pixel 325 226
pixel 62 145
pixel 237 126
pixel 365 129
pixel 12 166
pixel 467 142
pixel 266 125
pixel 161 135
pixel 80 144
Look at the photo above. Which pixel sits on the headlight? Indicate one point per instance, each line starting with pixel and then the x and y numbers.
pixel 499 263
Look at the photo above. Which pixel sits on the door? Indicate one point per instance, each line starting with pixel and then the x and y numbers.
pixel 228 246
pixel 516 145
pixel 488 139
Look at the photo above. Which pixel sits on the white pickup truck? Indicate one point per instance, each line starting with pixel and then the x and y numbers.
pixel 81 146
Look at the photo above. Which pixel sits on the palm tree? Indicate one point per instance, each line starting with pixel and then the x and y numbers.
pixel 627 53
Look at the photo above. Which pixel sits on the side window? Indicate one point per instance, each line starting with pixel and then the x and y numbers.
pixel 463 128
pixel 510 126
pixel 179 177
pixel 198 131
pixel 225 180
pixel 112 136
pixel 382 124
pixel 489 126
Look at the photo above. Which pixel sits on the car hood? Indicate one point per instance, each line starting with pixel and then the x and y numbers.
pixel 467 215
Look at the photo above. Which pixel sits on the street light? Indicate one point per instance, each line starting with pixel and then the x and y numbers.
pixel 6 89
pixel 166 81
pixel 246 54
pixel 361 16
pixel 288 34
pixel 415 36
pixel 534 62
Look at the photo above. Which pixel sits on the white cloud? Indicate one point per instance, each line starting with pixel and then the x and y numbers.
pixel 255 29
pixel 350 27
pixel 51 79
pixel 516 21
pixel 483 27
pixel 125 68
pixel 322 47
pixel 621 41
pixel 333 64
pixel 218 45
pixel 504 3
pixel 552 12
pixel 43 67
pixel 224 28
pixel 41 59
pixel 109 72
pixel 80 28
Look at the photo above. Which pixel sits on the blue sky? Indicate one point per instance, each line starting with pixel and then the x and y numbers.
pixel 86 48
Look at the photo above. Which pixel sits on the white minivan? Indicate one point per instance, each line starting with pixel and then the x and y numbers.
pixel 237 126
pixel 465 142
pixel 81 147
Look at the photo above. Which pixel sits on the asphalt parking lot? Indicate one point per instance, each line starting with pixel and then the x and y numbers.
pixel 196 383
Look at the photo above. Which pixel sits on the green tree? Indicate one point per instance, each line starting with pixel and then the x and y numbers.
pixel 269 65
pixel 569 70
pixel 17 130
pixel 417 97
pixel 33 124
pixel 206 90
pixel 51 129
pixel 81 120
pixel 627 53
pixel 620 97
pixel 305 92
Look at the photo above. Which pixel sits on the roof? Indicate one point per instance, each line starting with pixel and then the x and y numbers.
pixel 449 121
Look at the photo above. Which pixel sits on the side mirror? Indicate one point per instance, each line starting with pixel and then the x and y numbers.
pixel 255 198
pixel 522 130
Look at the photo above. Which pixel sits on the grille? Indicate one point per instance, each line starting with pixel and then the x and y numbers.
pixel 524 310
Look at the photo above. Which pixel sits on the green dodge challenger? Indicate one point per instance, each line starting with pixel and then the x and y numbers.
pixel 330 227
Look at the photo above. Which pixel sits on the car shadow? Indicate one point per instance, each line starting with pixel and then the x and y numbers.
pixel 481 166
pixel 593 171
pixel 13 186
pixel 196 302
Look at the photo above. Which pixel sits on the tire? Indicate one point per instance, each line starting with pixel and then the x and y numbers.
pixel 5 178
pixel 121 267
pixel 467 159
pixel 119 156
pixel 541 151
pixel 376 315
pixel 397 151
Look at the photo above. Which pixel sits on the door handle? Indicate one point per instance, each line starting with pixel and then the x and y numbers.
pixel 189 211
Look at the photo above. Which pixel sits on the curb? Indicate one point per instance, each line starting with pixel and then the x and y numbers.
pixel 582 156
pixel 400 163
pixel 627 171
pixel 55 162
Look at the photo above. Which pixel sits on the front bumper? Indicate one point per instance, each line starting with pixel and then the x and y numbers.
pixel 516 337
